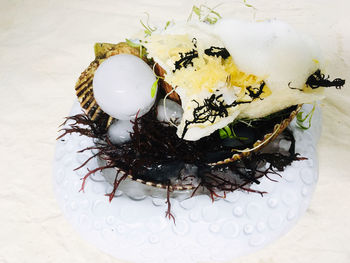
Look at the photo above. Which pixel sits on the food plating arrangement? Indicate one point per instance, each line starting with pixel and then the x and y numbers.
pixel 193 108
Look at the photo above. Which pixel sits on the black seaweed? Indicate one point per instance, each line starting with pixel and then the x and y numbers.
pixel 217 52
pixel 318 79
pixel 186 59
pixel 214 107
pixel 194 42
pixel 255 93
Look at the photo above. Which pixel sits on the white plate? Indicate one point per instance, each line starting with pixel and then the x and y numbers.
pixel 134 228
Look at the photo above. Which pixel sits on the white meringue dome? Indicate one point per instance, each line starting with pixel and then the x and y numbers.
pixel 122 86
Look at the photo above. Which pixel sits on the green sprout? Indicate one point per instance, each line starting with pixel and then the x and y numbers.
pixel 205 14
pixel 132 44
pixel 168 23
pixel 154 87
pixel 225 132
pixel 248 5
pixel 136 45
pixel 148 29
pixel 228 132
pixel 308 117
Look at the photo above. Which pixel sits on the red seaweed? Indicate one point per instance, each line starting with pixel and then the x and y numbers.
pixel 116 185
pixel 155 154
pixel 168 213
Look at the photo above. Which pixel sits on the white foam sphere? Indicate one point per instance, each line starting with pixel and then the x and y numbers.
pixel 119 131
pixel 169 111
pixel 122 86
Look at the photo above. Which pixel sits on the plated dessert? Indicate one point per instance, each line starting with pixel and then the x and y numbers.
pixel 191 105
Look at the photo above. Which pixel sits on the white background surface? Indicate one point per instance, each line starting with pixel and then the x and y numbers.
pixel 44 45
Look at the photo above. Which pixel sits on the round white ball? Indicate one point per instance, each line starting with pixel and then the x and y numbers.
pixel 169 111
pixel 119 131
pixel 122 86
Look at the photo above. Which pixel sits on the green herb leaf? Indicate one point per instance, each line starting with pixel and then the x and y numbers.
pixel 154 88
pixel 168 23
pixel 308 117
pixel 228 132
pixel 133 44
pixel 225 132
pixel 248 5
pixel 205 14
pixel 196 10
pixel 148 29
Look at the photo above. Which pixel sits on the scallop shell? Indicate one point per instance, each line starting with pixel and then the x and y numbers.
pixel 83 87
pixel 167 87
pixel 171 188
pixel 258 145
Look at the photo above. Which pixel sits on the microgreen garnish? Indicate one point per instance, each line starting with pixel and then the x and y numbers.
pixel 148 29
pixel 301 119
pixel 228 132
pixel 205 14
pixel 248 5
pixel 137 45
pixel 154 88
pixel 225 132
pixel 131 43
pixel 168 23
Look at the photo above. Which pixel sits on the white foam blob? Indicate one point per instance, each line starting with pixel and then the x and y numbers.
pixel 122 86
pixel 169 111
pixel 119 131
pixel 271 49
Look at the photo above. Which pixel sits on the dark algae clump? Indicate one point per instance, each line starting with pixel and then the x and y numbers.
pixel 318 79
pixel 186 59
pixel 217 52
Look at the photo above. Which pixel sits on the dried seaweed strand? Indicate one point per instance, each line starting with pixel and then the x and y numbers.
pixel 255 93
pixel 186 59
pixel 168 213
pixel 317 79
pixel 91 172
pixel 116 185
pixel 217 52
pixel 212 108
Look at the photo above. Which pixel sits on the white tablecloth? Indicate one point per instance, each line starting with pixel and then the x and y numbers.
pixel 44 45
